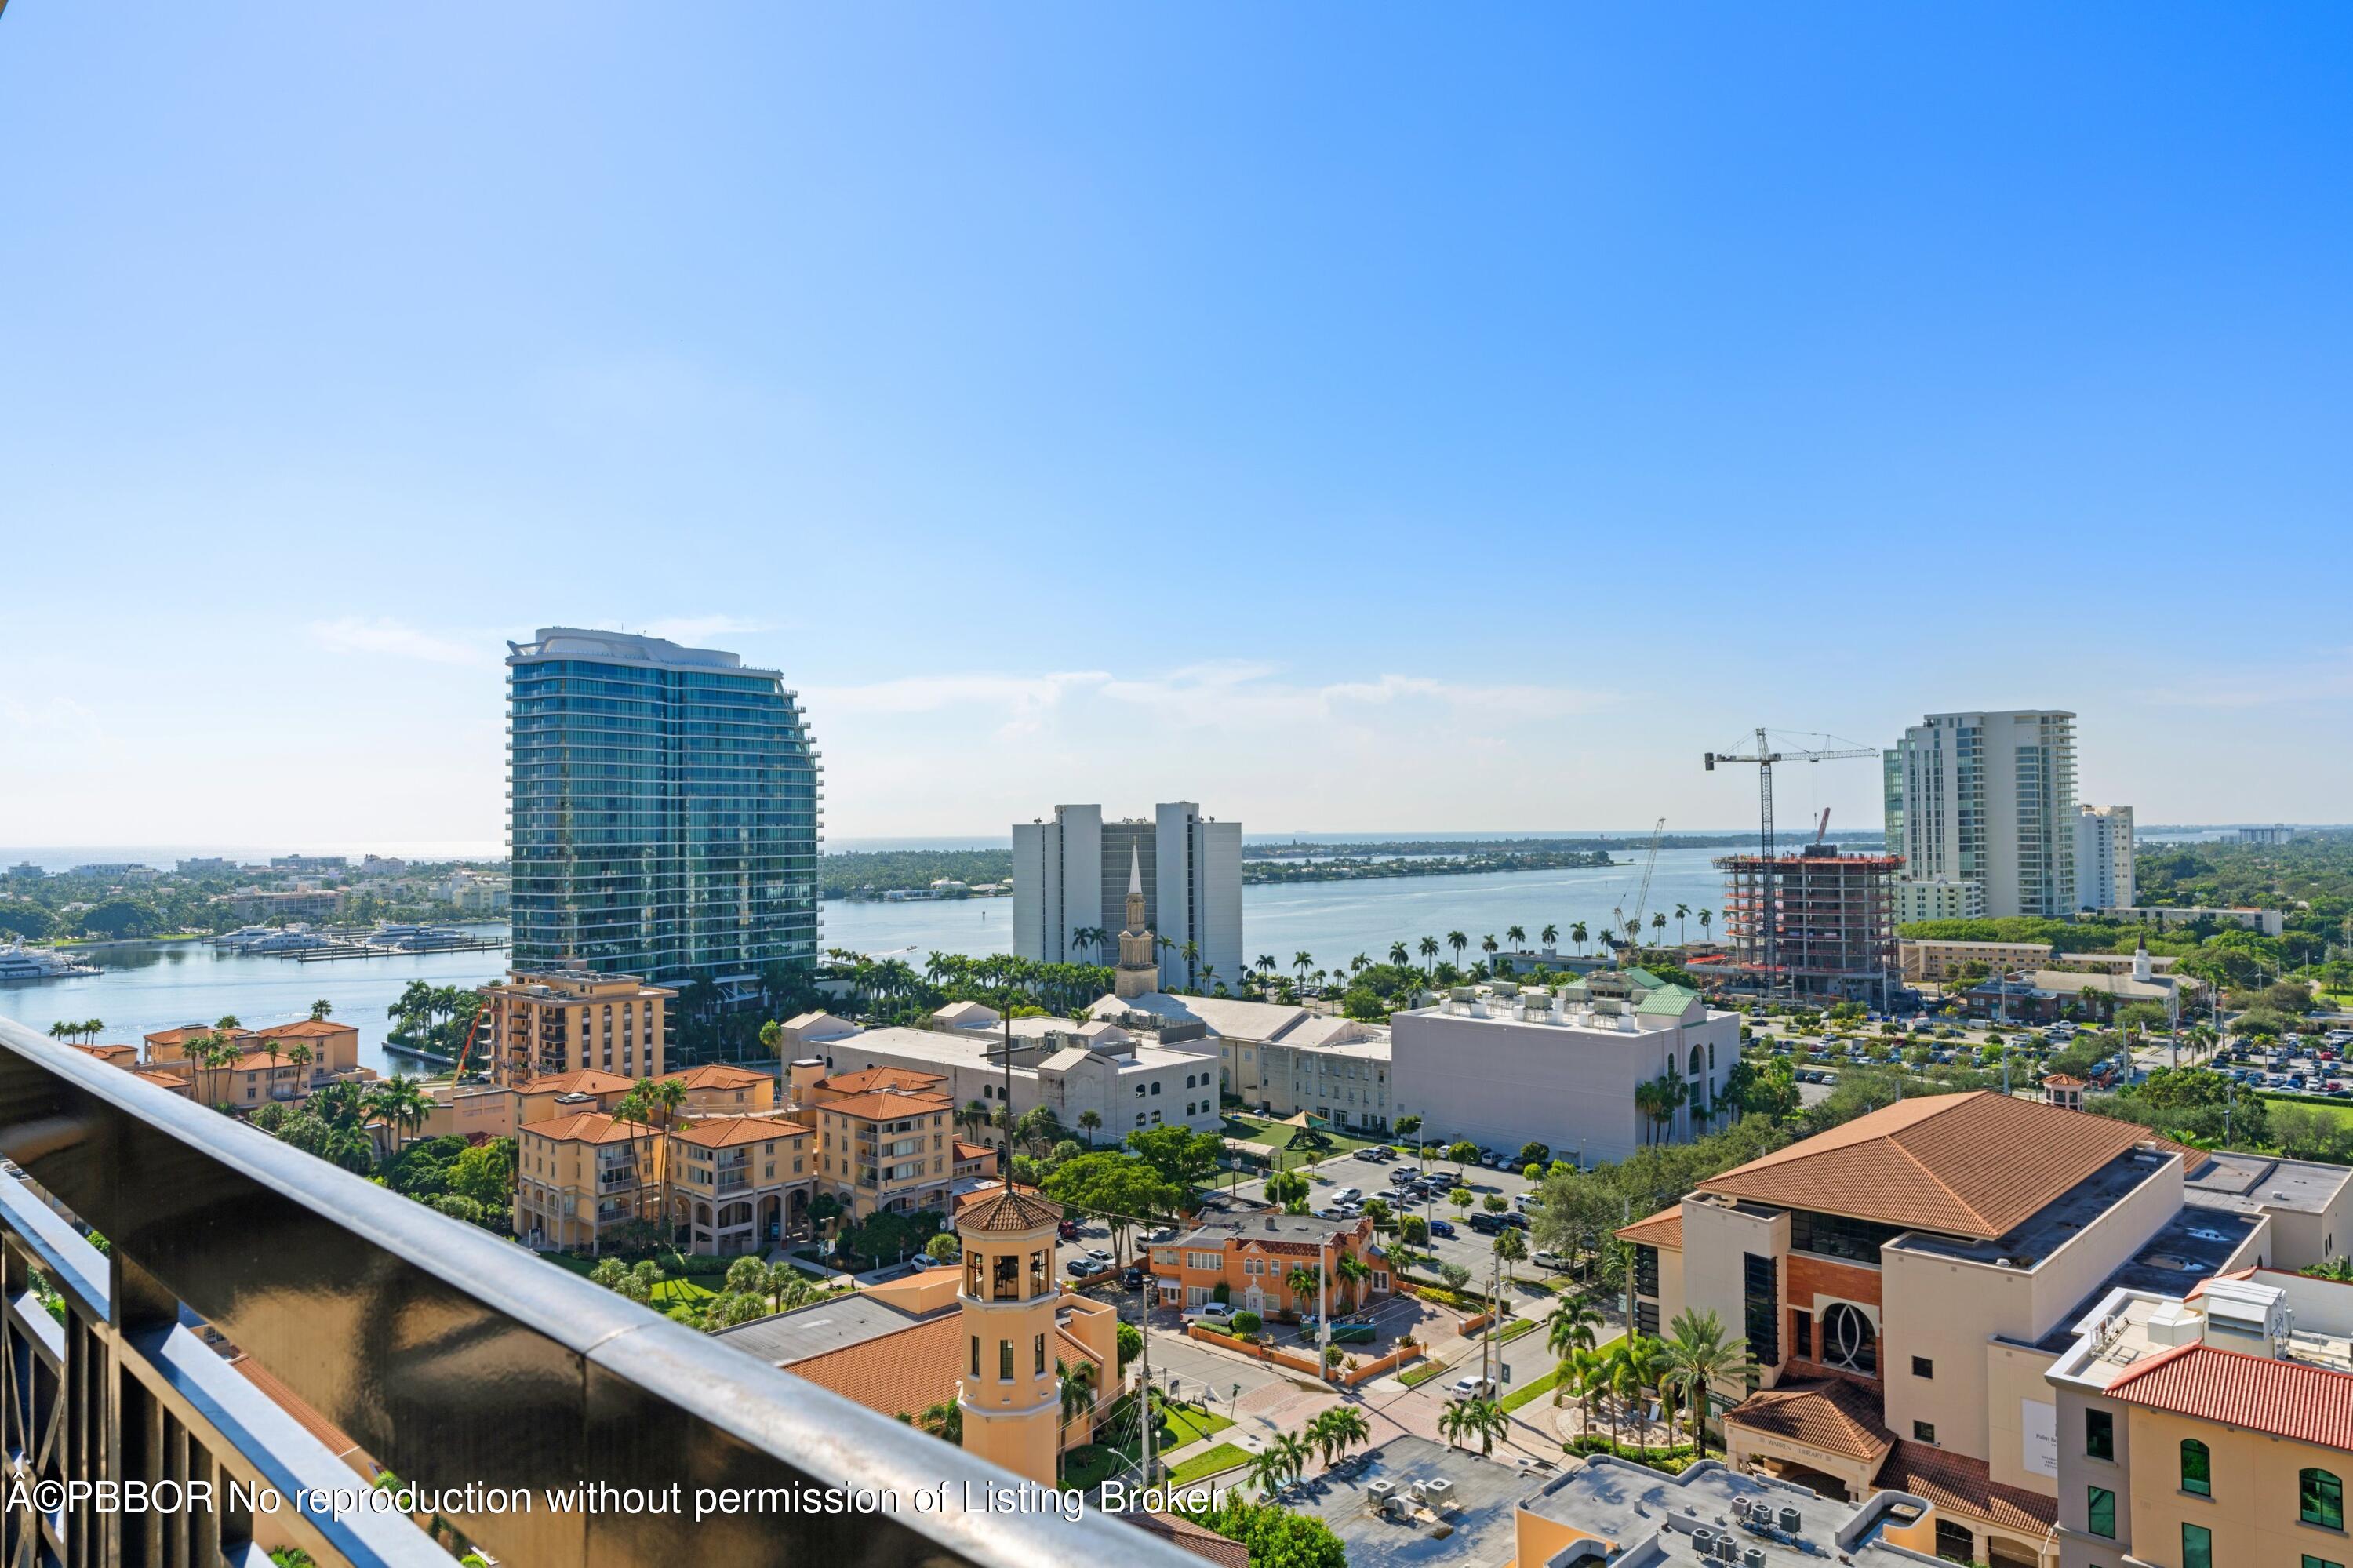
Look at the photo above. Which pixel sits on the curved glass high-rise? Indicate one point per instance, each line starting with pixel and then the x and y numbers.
pixel 662 811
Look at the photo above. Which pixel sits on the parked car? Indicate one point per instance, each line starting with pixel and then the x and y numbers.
pixel 1082 1267
pixel 1067 1230
pixel 1102 1259
pixel 1487 1225
pixel 1132 1277
pixel 1474 1387
pixel 1349 1196
pixel 1544 1257
pixel 1513 1218
pixel 1442 1228
pixel 1209 1312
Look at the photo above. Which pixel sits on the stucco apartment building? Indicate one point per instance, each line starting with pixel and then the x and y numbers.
pixel 1252 1255
pixel 1906 1281
pixel 2208 1430
pixel 1506 1066
pixel 561 1020
pixel 266 1070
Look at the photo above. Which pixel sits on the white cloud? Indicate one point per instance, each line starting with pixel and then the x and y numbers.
pixel 697 629
pixel 50 719
pixel 386 637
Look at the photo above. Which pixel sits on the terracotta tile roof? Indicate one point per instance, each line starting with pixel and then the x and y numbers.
pixel 903 1373
pixel 583 1081
pixel 718 1075
pixel 974 1151
pixel 1664 1228
pixel 186 1032
pixel 307 1028
pixel 1959 1485
pixel 726 1131
pixel 1834 1417
pixel 870 1079
pixel 337 1441
pixel 1977 1164
pixel 586 1127
pixel 2289 1399
pixel 1190 1536
pixel 2065 1081
pixel 1010 1211
pixel 885 1104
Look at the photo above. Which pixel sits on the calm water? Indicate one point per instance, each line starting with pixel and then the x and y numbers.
pixel 1333 920
pixel 164 985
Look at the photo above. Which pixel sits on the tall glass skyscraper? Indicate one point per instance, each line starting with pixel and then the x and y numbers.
pixel 662 811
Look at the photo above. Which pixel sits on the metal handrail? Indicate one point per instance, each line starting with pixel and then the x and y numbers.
pixel 452 1356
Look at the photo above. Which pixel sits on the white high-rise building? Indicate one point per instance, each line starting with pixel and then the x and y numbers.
pixel 2104 857
pixel 1070 874
pixel 1990 798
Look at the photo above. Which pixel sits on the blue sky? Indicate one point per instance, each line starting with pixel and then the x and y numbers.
pixel 1347 416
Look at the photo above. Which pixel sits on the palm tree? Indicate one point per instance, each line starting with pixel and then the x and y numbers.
pixel 943 1421
pixel 1550 936
pixel 975 1115
pixel 1577 934
pixel 300 1056
pixel 1398 955
pixel 1090 1123
pixel 1082 937
pixel 1359 964
pixel 1345 1426
pixel 1266 963
pixel 1682 912
pixel 1302 1282
pixel 1078 1392
pixel 1697 1358
pixel 1510 1249
pixel 1489 946
pixel 1353 1272
pixel 1428 950
pixel 1704 916
pixel 1570 1326
pixel 1582 1374
pixel 1458 941
pixel 1454 1421
pixel 1481 1418
pixel 271 1048
pixel 1659 923
pixel 1303 963
pixel 321 1009
pixel 1516 937
pixel 1625 1388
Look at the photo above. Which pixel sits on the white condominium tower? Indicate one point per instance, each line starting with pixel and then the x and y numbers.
pixel 1989 798
pixel 1071 873
pixel 2104 857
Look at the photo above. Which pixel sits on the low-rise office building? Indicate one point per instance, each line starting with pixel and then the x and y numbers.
pixel 1595 1069
pixel 1905 1282
pixel 1255 1256
pixel 2264 922
pixel 1938 898
pixel 2208 1430
pixel 1936 959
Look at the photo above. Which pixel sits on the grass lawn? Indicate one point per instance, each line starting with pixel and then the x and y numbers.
pixel 2340 1109
pixel 1530 1392
pixel 1224 1457
pixel 1274 1134
pixel 1180 1425
pixel 1090 1466
pixel 1513 1329
pixel 1415 1376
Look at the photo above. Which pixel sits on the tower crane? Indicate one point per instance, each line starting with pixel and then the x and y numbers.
pixel 1768 915
pixel 1642 893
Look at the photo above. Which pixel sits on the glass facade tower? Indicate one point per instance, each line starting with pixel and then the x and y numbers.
pixel 662 811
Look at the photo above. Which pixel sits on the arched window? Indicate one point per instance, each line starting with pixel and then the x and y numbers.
pixel 2197 1468
pixel 1155 1085
pixel 1849 1341
pixel 2320 1498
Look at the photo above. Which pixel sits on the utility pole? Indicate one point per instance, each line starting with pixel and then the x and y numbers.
pixel 1144 1393
pixel 1323 1313
pixel 1494 1310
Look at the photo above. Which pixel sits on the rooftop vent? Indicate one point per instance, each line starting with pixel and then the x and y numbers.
pixel 1791 1520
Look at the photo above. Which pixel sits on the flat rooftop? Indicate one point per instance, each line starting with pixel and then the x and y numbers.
pixel 2250 1183
pixel 1631 1505
pixel 1264 1224
pixel 822 1326
pixel 2054 1224
pixel 1480 1526
pixel 2191 1249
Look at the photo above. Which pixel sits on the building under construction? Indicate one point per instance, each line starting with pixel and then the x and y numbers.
pixel 1817 923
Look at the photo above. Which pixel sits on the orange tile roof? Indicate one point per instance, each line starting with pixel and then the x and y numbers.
pixel 1977 1164
pixel 186 1032
pixel 1010 1211
pixel 583 1081
pixel 311 1028
pixel 1959 1485
pixel 1834 1416
pixel 2289 1399
pixel 868 1080
pixel 965 1150
pixel 885 1104
pixel 586 1126
pixel 726 1131
pixel 1664 1228
pixel 718 1075
pixel 1184 1534
pixel 902 1372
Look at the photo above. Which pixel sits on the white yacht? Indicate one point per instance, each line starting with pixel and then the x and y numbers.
pixel 18 962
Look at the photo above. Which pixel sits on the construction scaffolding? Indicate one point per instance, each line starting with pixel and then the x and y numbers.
pixel 1827 920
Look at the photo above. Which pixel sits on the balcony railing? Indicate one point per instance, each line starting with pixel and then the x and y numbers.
pixel 447 1355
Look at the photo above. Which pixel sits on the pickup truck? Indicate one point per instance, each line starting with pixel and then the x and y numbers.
pixel 1217 1313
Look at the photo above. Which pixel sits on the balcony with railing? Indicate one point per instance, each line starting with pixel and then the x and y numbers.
pixel 448 1356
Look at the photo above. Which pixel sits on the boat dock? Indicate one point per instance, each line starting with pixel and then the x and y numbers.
pixel 335 952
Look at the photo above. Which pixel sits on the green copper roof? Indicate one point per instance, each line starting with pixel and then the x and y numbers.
pixel 1643 978
pixel 1668 1002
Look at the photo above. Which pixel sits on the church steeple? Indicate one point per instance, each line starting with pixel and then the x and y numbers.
pixel 1139 966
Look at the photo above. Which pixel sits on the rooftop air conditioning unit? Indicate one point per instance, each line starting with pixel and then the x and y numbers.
pixel 1381 1490
pixel 1791 1520
pixel 1437 1491
pixel 1752 1558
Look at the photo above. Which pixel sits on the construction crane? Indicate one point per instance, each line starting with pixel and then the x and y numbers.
pixel 1642 893
pixel 1768 917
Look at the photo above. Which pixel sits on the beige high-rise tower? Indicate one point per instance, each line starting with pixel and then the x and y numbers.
pixel 1139 966
pixel 1011 1391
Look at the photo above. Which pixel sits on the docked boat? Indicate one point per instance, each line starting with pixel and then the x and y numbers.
pixel 18 962
pixel 419 939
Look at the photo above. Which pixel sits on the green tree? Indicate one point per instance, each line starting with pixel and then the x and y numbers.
pixel 1696 1357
